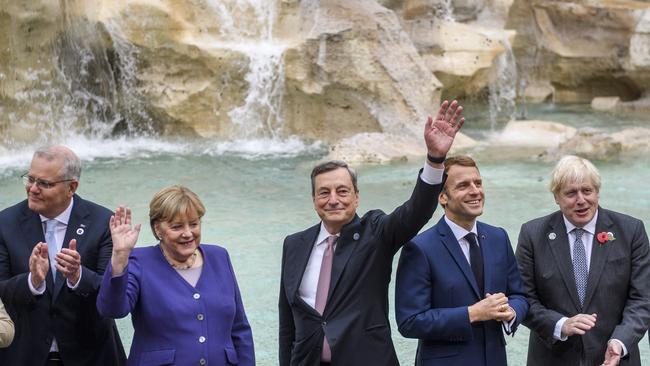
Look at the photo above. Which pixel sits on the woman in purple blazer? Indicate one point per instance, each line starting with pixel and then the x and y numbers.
pixel 183 298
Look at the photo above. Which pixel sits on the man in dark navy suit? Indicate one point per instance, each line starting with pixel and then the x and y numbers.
pixel 54 247
pixel 458 286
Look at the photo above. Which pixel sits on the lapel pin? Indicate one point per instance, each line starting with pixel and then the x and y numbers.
pixel 552 236
pixel 80 231
pixel 355 236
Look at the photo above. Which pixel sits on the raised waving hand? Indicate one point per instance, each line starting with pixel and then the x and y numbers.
pixel 124 236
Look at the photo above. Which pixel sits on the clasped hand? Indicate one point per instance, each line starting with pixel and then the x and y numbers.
pixel 492 307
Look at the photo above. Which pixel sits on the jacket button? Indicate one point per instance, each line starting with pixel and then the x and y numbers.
pixel 324 323
pixel 202 361
pixel 199 316
pixel 196 296
pixel 201 339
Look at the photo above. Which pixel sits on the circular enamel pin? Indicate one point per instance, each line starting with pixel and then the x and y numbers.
pixel 355 236
pixel 80 231
pixel 552 236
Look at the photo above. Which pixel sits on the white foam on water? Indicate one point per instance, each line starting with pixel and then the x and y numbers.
pixel 91 149
pixel 265 148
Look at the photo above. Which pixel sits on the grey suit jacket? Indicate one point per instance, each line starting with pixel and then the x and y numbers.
pixel 618 289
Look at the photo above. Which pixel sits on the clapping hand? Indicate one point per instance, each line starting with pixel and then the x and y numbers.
pixel 68 263
pixel 39 264
pixel 124 238
pixel 439 134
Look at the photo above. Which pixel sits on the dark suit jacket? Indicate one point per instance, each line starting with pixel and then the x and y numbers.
pixel 435 285
pixel 83 336
pixel 355 318
pixel 618 289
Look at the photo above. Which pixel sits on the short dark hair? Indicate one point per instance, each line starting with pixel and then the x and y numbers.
pixel 460 160
pixel 328 166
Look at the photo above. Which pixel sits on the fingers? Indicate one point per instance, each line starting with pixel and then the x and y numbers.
pixel 68 262
pixel 451 111
pixel 72 245
pixel 442 111
pixel 43 251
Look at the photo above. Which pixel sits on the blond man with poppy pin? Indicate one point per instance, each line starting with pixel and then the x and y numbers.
pixel 587 273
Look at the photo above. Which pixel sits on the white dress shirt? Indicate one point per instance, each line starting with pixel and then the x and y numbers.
pixel 309 283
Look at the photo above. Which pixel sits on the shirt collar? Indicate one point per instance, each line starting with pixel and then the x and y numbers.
pixel 63 217
pixel 590 227
pixel 323 234
pixel 460 232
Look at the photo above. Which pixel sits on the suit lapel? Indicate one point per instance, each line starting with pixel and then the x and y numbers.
pixel 296 263
pixel 344 248
pixel 599 254
pixel 488 257
pixel 558 241
pixel 77 225
pixel 32 229
pixel 450 242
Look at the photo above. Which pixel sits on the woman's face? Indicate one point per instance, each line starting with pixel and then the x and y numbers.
pixel 181 236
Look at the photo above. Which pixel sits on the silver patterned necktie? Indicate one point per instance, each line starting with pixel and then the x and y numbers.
pixel 50 239
pixel 580 270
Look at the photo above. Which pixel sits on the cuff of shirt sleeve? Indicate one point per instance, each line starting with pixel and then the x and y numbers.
pixel 74 287
pixel 622 346
pixel 35 291
pixel 557 333
pixel 431 175
pixel 507 325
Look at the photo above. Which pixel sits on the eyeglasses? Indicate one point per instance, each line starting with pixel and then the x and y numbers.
pixel 40 183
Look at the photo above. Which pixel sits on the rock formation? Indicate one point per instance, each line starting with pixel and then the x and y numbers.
pixel 328 70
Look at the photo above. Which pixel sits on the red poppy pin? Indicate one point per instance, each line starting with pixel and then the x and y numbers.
pixel 603 237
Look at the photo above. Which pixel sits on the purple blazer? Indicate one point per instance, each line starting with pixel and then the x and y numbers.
pixel 175 323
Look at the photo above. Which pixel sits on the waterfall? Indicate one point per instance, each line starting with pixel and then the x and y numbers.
pixel 260 115
pixel 503 87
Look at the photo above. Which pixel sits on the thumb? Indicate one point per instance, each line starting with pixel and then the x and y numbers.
pixel 73 245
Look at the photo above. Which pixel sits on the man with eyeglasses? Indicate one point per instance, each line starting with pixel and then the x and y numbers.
pixel 54 247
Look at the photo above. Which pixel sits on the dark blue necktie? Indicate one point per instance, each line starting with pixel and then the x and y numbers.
pixel 476 261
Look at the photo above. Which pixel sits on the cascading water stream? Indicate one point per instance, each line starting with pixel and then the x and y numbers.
pixel 259 116
pixel 503 88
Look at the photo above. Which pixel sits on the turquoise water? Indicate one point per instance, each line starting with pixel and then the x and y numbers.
pixel 257 192
pixel 253 204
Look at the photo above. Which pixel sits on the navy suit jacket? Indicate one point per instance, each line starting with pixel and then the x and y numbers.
pixel 83 336
pixel 435 285
pixel 170 316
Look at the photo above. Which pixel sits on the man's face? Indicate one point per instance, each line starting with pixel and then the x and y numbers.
pixel 49 202
pixel 463 197
pixel 578 202
pixel 335 199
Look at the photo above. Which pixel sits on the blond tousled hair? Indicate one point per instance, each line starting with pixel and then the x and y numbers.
pixel 172 201
pixel 573 169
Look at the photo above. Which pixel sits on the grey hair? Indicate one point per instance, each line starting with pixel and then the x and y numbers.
pixel 328 166
pixel 71 163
